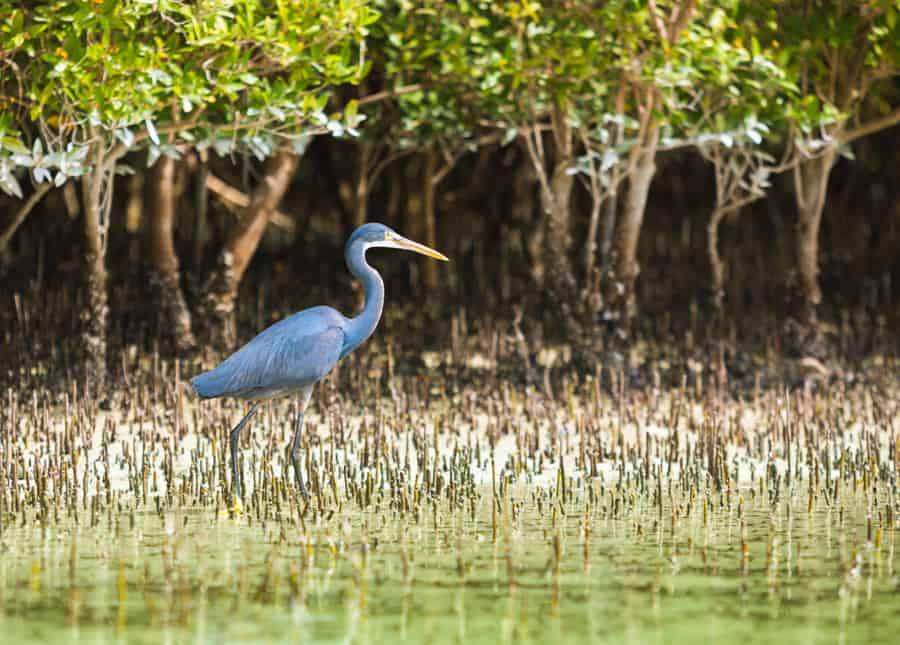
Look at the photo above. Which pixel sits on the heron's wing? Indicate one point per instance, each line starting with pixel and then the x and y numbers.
pixel 274 364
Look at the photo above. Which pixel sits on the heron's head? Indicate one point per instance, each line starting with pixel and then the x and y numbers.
pixel 374 234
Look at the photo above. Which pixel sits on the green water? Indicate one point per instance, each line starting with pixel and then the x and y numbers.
pixel 201 577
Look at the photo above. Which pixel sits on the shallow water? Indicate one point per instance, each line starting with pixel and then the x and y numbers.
pixel 490 515
pixel 201 576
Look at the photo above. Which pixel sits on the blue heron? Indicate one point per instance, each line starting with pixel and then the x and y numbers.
pixel 291 356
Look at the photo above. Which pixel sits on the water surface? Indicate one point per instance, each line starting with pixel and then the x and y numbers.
pixel 750 572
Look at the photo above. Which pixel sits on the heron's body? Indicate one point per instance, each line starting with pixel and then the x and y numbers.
pixel 291 356
pixel 285 358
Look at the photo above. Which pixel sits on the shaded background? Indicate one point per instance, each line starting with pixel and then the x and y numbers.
pixel 487 211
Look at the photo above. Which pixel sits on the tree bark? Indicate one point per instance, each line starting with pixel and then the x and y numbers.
pixel 608 228
pixel 70 198
pixel 717 267
pixel 811 186
pixel 812 178
pixel 570 312
pixel 716 329
pixel 558 238
pixel 590 246
pixel 555 272
pixel 95 318
pixel 222 285
pixel 165 273
pixel 235 199
pixel 620 285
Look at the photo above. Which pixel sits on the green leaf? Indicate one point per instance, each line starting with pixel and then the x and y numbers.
pixel 126 136
pixel 151 131
pixel 8 182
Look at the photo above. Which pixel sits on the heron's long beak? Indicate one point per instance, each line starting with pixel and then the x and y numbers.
pixel 409 245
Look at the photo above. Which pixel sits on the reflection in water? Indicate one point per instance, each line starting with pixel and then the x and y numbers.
pixel 748 570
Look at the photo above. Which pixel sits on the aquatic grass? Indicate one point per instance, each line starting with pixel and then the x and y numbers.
pixel 453 510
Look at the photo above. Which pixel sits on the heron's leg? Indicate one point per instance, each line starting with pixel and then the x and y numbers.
pixel 302 404
pixel 235 435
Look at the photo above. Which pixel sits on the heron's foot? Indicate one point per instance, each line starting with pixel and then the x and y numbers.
pixel 235 510
pixel 237 492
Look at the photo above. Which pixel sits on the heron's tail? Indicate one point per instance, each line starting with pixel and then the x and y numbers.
pixel 207 385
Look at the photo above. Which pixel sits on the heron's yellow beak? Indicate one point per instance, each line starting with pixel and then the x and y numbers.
pixel 409 245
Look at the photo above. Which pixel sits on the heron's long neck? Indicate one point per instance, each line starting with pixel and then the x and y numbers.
pixel 362 326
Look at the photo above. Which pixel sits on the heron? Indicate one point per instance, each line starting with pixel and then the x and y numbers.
pixel 292 355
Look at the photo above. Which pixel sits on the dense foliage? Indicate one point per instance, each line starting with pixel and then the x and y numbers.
pixel 148 74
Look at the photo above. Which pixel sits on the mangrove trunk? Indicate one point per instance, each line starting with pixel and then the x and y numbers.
pixel 222 285
pixel 811 186
pixel 96 200
pixel 625 267
pixel 165 273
